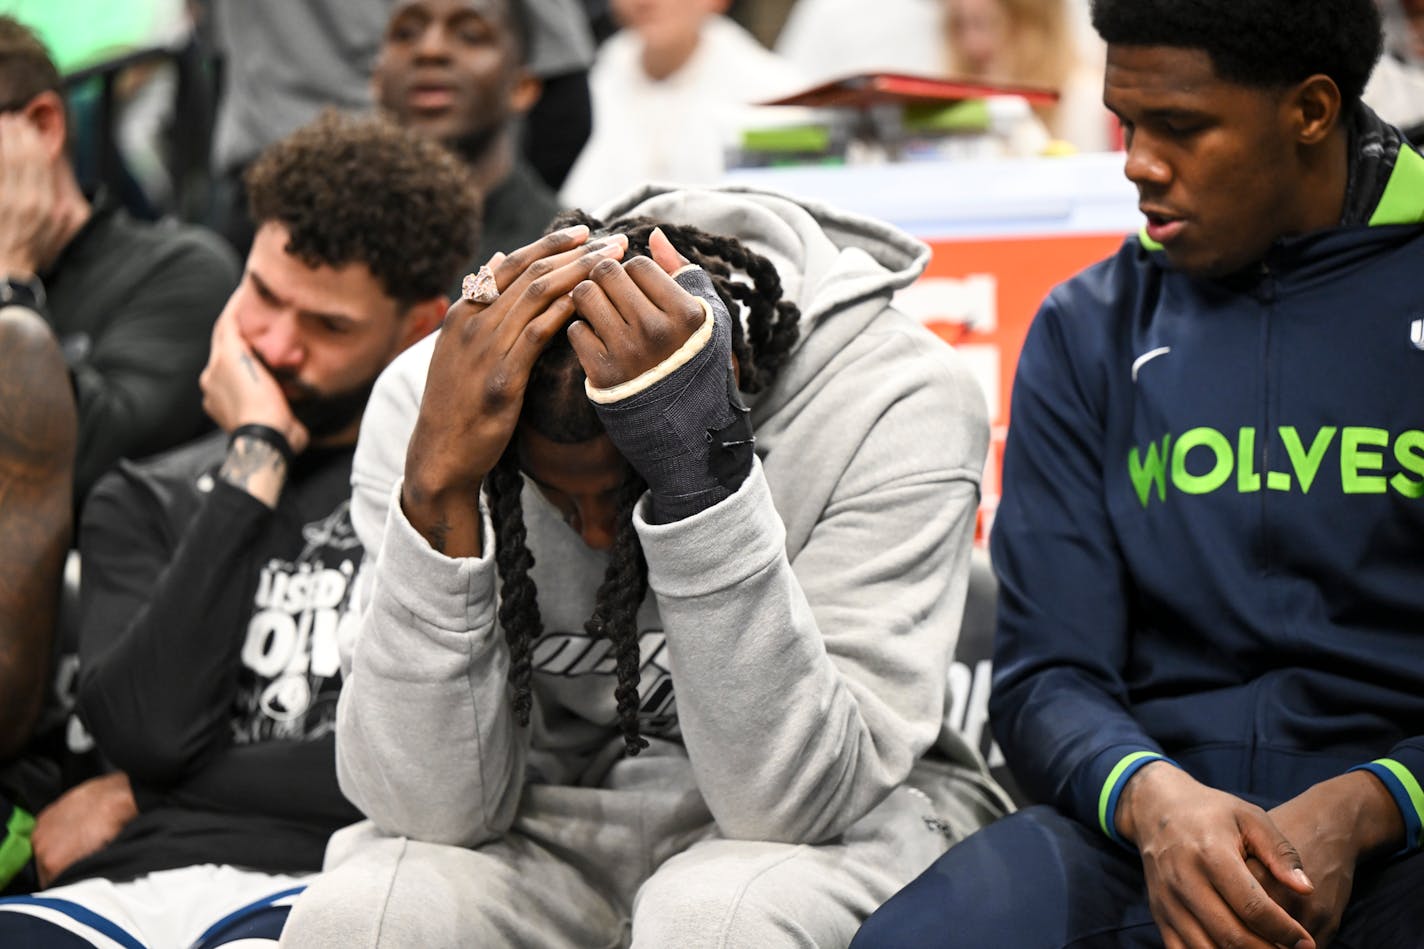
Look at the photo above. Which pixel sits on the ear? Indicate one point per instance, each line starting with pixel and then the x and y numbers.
pixel 420 320
pixel 1314 109
pixel 46 112
pixel 527 90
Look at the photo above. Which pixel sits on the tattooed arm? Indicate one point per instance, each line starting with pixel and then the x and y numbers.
pixel 37 436
pixel 257 467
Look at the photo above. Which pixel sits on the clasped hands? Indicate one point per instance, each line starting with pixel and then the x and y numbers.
pixel 1223 872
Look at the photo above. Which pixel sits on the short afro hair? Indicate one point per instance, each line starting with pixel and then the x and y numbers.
pixel 1263 43
pixel 362 190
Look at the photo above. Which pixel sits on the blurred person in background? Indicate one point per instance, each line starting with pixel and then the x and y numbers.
pixel 131 303
pixel 1396 90
pixel 1033 42
pixel 283 61
pixel 828 39
pixel 454 71
pixel 670 92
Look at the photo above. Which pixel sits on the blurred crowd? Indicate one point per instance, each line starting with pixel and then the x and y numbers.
pixel 628 90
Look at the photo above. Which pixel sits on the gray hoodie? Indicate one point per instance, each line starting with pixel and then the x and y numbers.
pixel 796 636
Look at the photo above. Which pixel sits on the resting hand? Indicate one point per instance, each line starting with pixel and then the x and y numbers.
pixel 684 428
pixel 478 373
pixel 83 821
pixel 1194 842
pixel 30 221
pixel 1334 824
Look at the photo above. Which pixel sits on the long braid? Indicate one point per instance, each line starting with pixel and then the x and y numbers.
pixel 519 603
pixel 615 611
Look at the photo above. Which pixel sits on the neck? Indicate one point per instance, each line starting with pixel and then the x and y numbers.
pixel 660 62
pixel 71 211
pixel 1328 174
pixel 489 156
pixel 342 439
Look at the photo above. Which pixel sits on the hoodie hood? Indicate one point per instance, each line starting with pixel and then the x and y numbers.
pixel 840 269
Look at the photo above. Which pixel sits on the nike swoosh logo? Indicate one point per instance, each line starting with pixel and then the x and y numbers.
pixel 1145 358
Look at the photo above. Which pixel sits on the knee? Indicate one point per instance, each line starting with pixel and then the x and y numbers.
pixel 743 893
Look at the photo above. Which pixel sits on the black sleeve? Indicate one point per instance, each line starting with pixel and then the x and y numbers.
pixel 162 624
pixel 288 780
pixel 137 388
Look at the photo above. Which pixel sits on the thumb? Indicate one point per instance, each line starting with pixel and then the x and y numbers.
pixel 664 254
pixel 1267 844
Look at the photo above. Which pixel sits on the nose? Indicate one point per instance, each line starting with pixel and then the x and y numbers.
pixel 431 42
pixel 1144 167
pixel 596 521
pixel 278 343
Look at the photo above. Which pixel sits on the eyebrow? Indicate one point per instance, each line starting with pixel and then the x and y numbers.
pixel 267 291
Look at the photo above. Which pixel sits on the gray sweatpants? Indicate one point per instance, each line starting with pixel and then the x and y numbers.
pixel 638 863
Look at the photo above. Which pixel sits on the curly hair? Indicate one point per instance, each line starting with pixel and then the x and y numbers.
pixel 556 407
pixel 26 68
pixel 1263 43
pixel 363 190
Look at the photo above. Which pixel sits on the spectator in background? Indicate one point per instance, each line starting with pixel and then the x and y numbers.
pixel 217 577
pixel 283 61
pixel 828 39
pixel 1396 89
pixel 1030 41
pixel 131 303
pixel 670 93
pixel 453 70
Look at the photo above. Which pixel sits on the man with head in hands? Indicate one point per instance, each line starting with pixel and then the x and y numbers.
pixel 217 577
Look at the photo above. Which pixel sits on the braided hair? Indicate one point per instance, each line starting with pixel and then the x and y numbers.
pixel 556 407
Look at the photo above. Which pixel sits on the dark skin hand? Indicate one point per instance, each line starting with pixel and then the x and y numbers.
pixel 37 439
pixel 1335 825
pixel 633 316
pixel 478 373
pixel 1195 842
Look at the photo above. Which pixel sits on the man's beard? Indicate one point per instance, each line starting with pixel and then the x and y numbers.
pixel 325 414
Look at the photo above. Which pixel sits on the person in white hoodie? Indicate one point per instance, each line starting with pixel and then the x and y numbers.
pixel 677 675
pixel 671 91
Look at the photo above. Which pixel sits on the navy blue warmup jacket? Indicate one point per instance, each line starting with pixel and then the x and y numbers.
pixel 1211 540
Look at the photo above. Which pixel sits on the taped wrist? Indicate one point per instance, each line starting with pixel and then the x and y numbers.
pixel 686 433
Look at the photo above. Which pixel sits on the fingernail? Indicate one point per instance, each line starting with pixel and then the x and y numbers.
pixel 1300 875
pixel 612 240
pixel 606 250
pixel 574 230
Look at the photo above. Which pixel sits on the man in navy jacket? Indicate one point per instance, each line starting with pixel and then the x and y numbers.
pixel 1211 541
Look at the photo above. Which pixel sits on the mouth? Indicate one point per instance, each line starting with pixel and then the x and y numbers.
pixel 1162 226
pixel 430 97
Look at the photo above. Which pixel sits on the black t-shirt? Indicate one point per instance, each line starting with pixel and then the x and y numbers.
pixel 209 666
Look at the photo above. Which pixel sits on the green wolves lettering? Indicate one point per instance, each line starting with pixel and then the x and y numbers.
pixel 1215 458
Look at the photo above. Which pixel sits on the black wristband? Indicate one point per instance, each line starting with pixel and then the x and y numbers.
pixel 27 292
pixel 267 434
